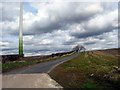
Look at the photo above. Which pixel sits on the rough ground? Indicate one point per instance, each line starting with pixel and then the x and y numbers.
pixel 29 81
pixel 93 69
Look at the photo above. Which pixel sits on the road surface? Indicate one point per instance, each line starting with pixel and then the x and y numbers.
pixel 41 80
pixel 44 67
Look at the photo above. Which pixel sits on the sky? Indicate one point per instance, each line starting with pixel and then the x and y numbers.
pixel 50 27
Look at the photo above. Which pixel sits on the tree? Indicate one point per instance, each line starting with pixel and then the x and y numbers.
pixel 79 48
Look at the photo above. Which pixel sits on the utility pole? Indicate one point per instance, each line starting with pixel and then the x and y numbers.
pixel 20 31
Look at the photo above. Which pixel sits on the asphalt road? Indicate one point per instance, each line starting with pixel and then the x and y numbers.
pixel 44 67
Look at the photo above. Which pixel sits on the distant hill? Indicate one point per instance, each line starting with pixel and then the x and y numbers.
pixel 115 51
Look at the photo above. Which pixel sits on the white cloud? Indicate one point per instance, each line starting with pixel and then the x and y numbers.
pixel 103 21
pixel 3 43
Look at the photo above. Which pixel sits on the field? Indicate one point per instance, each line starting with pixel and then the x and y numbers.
pixel 93 69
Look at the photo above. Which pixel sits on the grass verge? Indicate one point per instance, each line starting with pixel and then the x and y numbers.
pixel 89 70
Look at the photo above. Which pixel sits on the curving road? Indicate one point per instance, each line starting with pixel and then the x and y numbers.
pixel 44 67
pixel 34 76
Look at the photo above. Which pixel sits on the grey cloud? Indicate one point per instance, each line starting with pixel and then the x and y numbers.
pixel 89 43
pixel 36 51
pixel 59 19
pixel 10 11
pixel 37 28
pixel 70 42
pixel 9 49
pixel 94 27
pixel 89 32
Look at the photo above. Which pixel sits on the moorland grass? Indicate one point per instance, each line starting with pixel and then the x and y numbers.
pixel 88 70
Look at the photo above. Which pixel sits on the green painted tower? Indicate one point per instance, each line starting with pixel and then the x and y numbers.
pixel 20 31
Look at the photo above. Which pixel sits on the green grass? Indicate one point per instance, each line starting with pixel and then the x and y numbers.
pixel 88 70
pixel 89 84
pixel 17 64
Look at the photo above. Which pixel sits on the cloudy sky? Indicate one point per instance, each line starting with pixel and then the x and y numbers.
pixel 50 27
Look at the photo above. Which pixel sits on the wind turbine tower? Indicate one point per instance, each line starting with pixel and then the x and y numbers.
pixel 20 31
